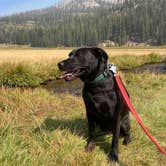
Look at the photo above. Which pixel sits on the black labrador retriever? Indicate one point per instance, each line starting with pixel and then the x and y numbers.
pixel 103 101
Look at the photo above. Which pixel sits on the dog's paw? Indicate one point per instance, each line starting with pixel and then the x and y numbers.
pixel 90 147
pixel 113 157
pixel 126 141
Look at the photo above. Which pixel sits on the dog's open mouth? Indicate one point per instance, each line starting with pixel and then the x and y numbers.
pixel 71 75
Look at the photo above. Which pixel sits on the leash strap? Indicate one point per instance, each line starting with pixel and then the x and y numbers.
pixel 135 114
pixel 112 68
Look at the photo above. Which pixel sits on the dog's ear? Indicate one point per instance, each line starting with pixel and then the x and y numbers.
pixel 101 54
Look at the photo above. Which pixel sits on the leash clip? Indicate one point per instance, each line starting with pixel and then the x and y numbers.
pixel 112 67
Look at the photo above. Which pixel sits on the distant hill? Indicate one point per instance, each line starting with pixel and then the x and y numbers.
pixel 88 22
pixel 85 4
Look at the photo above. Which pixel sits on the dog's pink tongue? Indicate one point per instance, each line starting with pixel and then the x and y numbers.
pixel 66 76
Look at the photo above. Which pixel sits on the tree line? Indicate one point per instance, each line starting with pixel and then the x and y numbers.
pixel 134 20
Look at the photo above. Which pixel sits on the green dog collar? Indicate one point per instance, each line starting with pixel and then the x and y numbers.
pixel 100 77
pixel 110 67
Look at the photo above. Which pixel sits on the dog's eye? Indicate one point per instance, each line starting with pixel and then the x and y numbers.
pixel 71 56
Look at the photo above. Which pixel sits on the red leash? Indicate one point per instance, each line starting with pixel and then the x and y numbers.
pixel 133 111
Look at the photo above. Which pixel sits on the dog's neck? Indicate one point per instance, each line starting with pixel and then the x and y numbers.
pixel 95 73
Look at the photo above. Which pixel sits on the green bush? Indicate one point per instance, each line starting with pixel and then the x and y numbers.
pixel 21 76
pixel 47 71
pixel 125 61
pixel 128 61
pixel 153 58
pixel 27 75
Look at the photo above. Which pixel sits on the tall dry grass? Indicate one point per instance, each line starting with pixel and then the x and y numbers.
pixel 46 127
pixel 13 55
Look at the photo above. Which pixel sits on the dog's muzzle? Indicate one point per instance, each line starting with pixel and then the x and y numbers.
pixel 72 74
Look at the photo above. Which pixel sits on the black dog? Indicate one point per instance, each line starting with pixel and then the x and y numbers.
pixel 104 105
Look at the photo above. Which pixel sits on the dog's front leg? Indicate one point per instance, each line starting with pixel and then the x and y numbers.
pixel 91 133
pixel 113 155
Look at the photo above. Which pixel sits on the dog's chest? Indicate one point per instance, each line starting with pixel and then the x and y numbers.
pixel 101 102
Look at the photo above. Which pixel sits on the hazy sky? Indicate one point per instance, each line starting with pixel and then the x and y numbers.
pixel 8 7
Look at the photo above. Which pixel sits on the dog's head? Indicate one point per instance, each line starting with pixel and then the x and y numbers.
pixel 84 63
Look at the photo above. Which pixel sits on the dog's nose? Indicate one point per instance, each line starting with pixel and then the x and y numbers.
pixel 60 65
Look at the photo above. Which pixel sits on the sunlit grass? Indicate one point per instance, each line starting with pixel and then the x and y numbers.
pixel 41 127
pixel 128 61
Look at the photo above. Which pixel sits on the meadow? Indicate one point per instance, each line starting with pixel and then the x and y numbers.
pixel 48 127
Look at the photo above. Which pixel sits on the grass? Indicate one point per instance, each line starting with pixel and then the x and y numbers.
pixel 29 55
pixel 26 75
pixel 128 62
pixel 42 127
pixel 34 73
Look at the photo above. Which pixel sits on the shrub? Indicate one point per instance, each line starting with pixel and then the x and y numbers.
pixel 20 75
pixel 125 61
pixel 153 57
pixel 128 61
pixel 27 75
